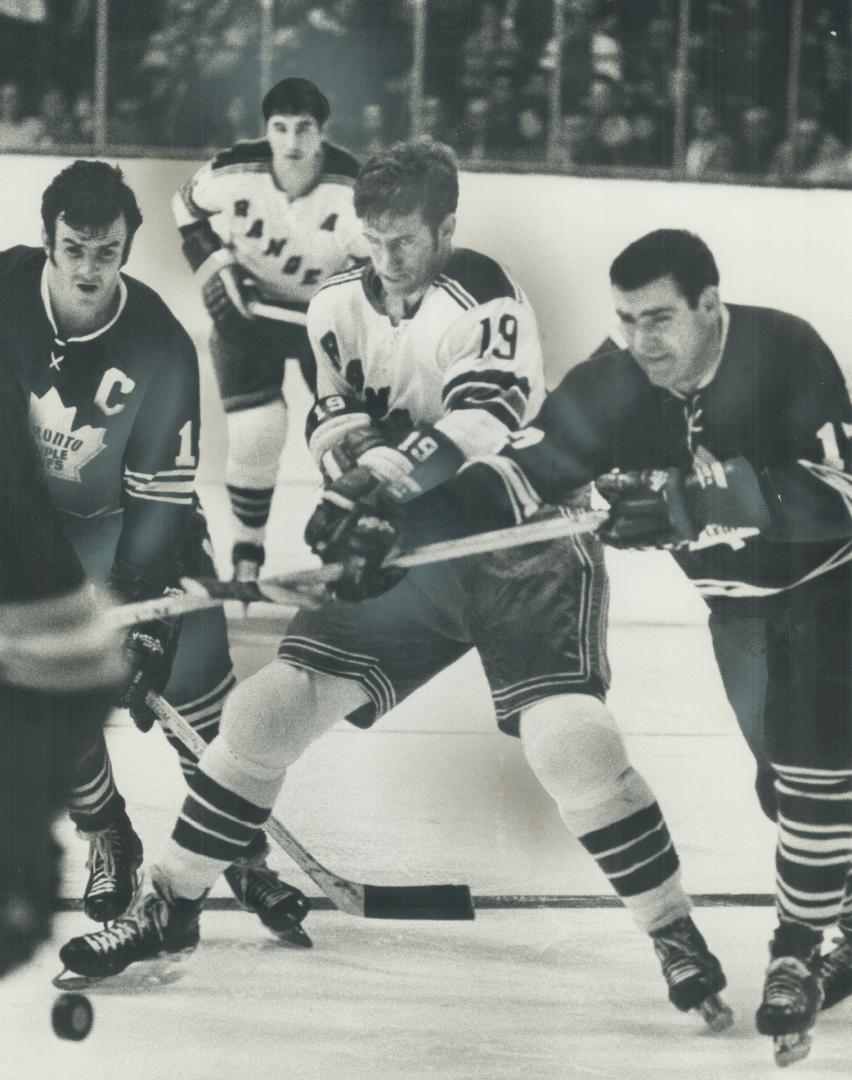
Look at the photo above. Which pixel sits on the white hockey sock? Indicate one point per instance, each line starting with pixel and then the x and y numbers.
pixel 574 748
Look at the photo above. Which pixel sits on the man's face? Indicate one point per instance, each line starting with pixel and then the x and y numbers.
pixel 674 344
pixel 293 138
pixel 404 251
pixel 86 262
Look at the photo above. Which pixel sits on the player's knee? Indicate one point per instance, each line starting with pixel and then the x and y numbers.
pixel 574 748
pixel 273 716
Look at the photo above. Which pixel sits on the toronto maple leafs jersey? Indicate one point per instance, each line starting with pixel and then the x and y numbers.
pixel 289 245
pixel 114 414
pixel 467 359
pixel 777 399
pixel 36 560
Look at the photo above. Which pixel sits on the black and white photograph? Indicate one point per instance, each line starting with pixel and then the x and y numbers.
pixel 425 539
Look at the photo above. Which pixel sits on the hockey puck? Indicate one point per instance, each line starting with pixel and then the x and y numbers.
pixel 72 1016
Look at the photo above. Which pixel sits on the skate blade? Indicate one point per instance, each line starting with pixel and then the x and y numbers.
pixel 716 1014
pixel 68 980
pixel 158 972
pixel 791 1048
pixel 295 938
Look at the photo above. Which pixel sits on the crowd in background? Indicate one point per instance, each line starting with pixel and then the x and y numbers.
pixel 187 73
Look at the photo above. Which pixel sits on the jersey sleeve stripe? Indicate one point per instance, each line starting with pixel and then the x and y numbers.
pixel 503 380
pixel 187 472
pixel 476 397
pixel 178 500
pixel 496 407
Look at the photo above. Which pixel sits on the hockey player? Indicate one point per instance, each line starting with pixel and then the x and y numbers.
pixel 112 384
pixel 718 417
pixel 428 357
pixel 266 221
pixel 59 665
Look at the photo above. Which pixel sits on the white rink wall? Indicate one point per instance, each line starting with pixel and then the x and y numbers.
pixel 783 248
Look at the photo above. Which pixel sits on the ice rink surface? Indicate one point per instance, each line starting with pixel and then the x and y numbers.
pixel 435 794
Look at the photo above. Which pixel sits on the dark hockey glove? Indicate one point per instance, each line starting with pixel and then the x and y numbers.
pixel 227 292
pixel 666 508
pixel 149 650
pixel 356 526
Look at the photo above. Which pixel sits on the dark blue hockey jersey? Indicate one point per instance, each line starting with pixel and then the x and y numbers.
pixel 114 414
pixel 777 398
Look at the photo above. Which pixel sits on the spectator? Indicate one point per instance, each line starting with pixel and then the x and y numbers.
pixel 530 135
pixel 610 129
pixel 589 48
pixel 17 132
pixel 492 49
pixel 432 117
pixel 574 146
pixel 710 150
pixel 650 145
pixel 471 140
pixel 57 126
pixel 371 137
pixel 811 148
pixel 758 141
pixel 127 125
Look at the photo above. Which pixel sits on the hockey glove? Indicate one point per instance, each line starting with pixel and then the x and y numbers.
pixel 149 650
pixel 227 291
pixel 664 508
pixel 354 525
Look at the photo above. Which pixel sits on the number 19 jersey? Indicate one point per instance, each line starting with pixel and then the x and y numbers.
pixel 466 359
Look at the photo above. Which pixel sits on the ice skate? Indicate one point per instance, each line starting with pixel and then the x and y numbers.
pixel 693 973
pixel 792 992
pixel 158 925
pixel 279 906
pixel 835 969
pixel 115 855
pixel 247 560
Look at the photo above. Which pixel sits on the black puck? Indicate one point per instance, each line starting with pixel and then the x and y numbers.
pixel 72 1016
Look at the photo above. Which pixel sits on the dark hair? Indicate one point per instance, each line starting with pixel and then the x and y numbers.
pixel 420 174
pixel 673 253
pixel 90 194
pixel 292 97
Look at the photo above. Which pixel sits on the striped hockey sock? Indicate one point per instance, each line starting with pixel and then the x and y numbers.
pixel 203 714
pixel 814 851
pixel 251 508
pixel 636 854
pixel 94 802
pixel 216 827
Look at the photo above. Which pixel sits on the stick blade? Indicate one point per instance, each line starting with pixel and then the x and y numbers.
pixel 445 902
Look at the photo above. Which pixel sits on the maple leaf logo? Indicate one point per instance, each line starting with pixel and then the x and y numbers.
pixel 64 451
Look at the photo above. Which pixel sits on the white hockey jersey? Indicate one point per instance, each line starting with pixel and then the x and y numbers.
pixel 467 361
pixel 289 245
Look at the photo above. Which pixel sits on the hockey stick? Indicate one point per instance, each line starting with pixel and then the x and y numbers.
pixel 535 532
pixel 300 588
pixel 277 313
pixel 352 897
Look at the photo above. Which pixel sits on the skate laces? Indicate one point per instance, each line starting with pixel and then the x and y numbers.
pixel 102 858
pixel 679 954
pixel 123 932
pixel 264 885
pixel 786 984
